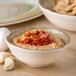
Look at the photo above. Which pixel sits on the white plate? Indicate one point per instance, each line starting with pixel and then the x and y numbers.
pixel 16 11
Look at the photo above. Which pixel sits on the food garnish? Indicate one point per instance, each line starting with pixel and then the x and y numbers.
pixel 36 37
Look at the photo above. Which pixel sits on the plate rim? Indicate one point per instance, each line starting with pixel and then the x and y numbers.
pixel 24 19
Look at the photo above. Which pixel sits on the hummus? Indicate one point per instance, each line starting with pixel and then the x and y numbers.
pixel 38 40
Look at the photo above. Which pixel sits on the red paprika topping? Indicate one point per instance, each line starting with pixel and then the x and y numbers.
pixel 36 37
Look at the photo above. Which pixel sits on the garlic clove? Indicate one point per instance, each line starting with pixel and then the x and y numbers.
pixel 4 55
pixel 9 64
pixel 4 32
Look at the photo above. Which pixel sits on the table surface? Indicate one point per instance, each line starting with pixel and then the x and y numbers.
pixel 65 66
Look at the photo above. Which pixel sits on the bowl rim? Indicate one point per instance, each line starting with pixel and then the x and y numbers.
pixel 53 11
pixel 30 50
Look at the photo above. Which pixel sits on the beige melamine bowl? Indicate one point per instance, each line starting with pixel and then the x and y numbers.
pixel 63 21
pixel 37 58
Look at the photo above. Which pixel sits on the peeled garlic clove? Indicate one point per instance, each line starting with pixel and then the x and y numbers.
pixel 4 32
pixel 4 55
pixel 9 64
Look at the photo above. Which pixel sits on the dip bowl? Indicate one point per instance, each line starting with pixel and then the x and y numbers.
pixel 64 21
pixel 37 58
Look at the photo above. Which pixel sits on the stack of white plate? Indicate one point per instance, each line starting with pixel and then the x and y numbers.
pixel 16 11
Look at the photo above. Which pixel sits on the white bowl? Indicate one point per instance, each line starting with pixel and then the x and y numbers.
pixel 37 58
pixel 63 21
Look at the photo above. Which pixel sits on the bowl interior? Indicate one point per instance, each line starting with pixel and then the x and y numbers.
pixel 55 32
pixel 48 4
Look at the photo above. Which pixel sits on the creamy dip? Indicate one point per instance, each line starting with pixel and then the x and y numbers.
pixel 56 42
